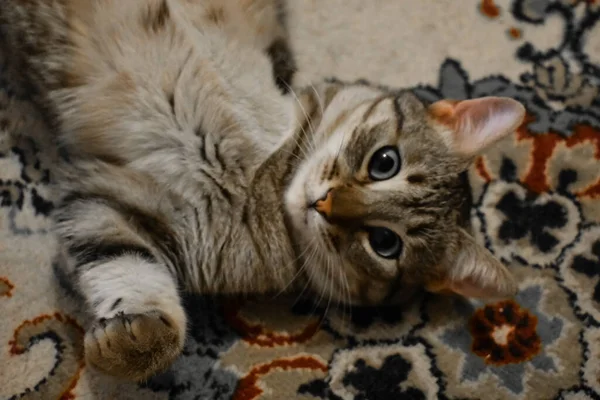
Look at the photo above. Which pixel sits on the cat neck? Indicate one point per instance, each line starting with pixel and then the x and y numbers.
pixel 274 245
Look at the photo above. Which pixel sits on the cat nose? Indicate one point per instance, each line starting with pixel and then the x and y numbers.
pixel 323 205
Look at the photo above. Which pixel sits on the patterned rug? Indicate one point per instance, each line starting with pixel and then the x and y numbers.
pixel 536 204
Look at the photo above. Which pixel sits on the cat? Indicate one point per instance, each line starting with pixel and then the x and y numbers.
pixel 190 168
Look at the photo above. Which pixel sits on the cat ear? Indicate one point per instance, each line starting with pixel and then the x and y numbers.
pixel 476 124
pixel 475 273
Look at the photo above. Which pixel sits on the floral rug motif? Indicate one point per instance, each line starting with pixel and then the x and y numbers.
pixel 536 205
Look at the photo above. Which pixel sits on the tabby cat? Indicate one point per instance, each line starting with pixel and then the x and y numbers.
pixel 189 169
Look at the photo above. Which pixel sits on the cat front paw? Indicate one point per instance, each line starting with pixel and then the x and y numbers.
pixel 133 346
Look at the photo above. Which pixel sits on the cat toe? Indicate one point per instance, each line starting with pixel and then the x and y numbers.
pixel 133 346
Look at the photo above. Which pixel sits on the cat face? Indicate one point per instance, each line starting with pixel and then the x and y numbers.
pixel 376 203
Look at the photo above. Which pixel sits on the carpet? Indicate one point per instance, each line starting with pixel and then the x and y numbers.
pixel 536 205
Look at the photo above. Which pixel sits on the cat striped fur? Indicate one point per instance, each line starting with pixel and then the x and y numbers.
pixel 190 168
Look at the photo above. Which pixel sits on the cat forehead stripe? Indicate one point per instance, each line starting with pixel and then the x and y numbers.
pixel 369 112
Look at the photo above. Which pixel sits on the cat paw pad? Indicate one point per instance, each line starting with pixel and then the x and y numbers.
pixel 133 346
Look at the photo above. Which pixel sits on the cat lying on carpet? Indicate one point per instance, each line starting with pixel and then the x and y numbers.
pixel 189 169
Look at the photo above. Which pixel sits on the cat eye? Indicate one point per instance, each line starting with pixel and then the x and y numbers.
pixel 385 242
pixel 384 164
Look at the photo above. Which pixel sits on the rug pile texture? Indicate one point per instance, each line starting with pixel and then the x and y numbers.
pixel 536 205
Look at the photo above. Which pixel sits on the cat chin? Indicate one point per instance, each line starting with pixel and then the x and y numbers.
pixel 297 201
pixel 307 229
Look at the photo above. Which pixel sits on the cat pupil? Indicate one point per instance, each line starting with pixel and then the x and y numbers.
pixel 384 164
pixel 385 242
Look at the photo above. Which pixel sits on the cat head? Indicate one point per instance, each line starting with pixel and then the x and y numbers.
pixel 375 204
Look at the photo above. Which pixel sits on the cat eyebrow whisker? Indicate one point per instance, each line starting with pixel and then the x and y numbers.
pixel 307 116
pixel 319 99
pixel 303 146
pixel 421 229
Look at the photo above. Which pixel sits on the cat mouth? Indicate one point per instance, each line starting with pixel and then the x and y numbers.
pixel 316 216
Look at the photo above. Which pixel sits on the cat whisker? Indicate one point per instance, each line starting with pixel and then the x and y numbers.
pixel 300 270
pixel 308 119
pixel 330 292
pixel 308 260
pixel 321 295
pixel 292 154
pixel 328 275
pixel 324 290
pixel 311 277
pixel 321 109
pixel 319 99
pixel 302 146
pixel 347 299
pixel 344 299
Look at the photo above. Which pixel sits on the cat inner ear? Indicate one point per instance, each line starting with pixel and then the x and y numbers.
pixel 475 273
pixel 473 125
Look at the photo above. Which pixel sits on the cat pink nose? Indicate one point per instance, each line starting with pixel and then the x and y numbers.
pixel 323 206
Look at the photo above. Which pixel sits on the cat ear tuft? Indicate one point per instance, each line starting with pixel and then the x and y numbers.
pixel 476 273
pixel 476 124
